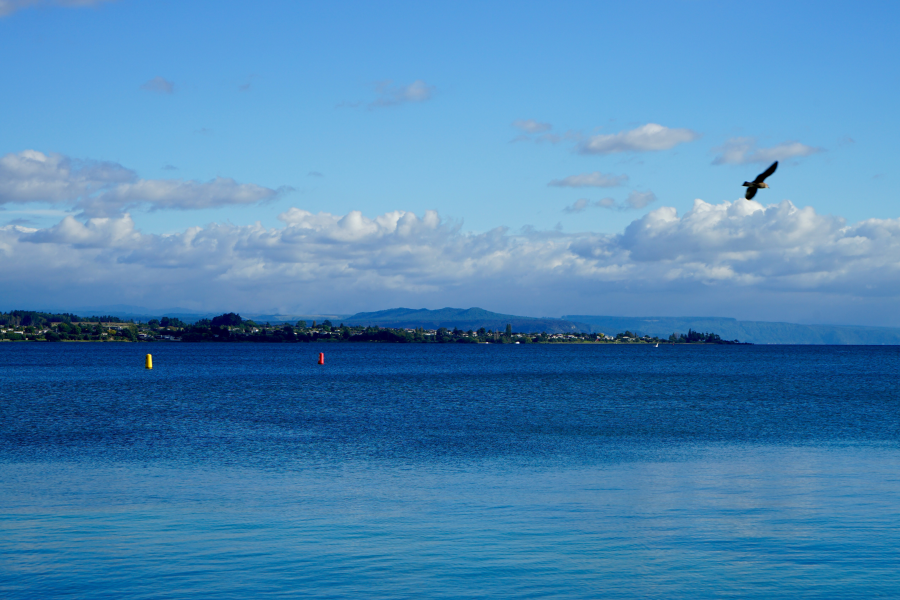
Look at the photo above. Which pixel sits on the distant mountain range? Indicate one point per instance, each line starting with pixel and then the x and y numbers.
pixel 463 318
pixel 139 313
pixel 756 332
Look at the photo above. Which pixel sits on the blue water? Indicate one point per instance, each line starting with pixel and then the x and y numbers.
pixel 449 471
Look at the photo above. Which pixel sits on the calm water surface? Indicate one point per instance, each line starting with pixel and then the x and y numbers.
pixel 449 471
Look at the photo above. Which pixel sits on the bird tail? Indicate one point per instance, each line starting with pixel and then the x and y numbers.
pixel 746 183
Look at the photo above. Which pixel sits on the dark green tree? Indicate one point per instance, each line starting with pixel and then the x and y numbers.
pixel 228 320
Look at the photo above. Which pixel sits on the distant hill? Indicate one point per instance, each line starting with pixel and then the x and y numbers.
pixel 336 319
pixel 141 314
pixel 463 318
pixel 756 332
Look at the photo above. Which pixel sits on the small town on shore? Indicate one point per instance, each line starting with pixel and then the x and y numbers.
pixel 35 326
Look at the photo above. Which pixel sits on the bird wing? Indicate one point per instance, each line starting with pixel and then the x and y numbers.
pixel 751 191
pixel 762 176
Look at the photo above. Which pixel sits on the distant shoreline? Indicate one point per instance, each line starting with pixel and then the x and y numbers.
pixel 232 328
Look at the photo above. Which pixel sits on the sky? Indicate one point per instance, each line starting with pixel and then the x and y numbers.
pixel 532 158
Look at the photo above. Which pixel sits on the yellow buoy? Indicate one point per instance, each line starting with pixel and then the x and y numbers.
pixel 149 361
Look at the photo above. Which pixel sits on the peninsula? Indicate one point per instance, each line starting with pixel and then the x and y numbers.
pixel 21 325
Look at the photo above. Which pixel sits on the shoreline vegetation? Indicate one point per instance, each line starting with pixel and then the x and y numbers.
pixel 34 326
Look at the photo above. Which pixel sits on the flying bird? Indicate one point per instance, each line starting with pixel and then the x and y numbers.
pixel 760 181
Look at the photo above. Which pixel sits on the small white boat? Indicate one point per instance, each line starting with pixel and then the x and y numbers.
pixel 657 345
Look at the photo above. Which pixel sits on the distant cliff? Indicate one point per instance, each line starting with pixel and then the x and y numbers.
pixel 465 319
pixel 755 332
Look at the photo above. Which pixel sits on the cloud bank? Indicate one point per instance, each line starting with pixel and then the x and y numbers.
pixel 740 259
pixel 102 189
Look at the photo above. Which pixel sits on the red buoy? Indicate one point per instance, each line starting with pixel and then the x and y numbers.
pixel 321 358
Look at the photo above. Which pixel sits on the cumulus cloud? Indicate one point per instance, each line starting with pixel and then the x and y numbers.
pixel 595 179
pixel 720 254
pixel 8 7
pixel 102 189
pixel 106 232
pixel 635 200
pixel 159 85
pixel 743 150
pixel 393 95
pixel 645 138
pixel 32 176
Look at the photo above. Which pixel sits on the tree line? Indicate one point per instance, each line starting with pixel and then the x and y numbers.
pixel 231 327
pixel 20 325
pixel 34 318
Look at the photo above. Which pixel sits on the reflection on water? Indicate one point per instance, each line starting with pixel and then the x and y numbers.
pixel 411 471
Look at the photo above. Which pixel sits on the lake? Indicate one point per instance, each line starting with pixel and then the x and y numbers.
pixel 449 471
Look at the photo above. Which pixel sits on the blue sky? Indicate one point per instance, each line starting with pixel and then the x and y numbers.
pixel 544 136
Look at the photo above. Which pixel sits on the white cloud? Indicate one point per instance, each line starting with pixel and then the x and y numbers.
pixel 743 150
pixel 531 126
pixel 161 194
pixel 104 188
pixel 607 203
pixel 738 259
pixel 95 233
pixel 32 176
pixel 640 199
pixel 535 131
pixel 578 206
pixel 643 139
pixel 635 200
pixel 8 7
pixel 595 179
pixel 159 85
pixel 393 95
